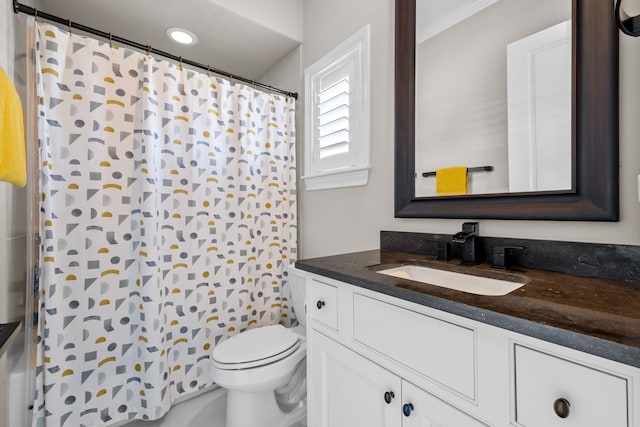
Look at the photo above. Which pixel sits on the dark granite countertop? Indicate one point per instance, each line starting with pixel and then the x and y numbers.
pixel 6 330
pixel 597 316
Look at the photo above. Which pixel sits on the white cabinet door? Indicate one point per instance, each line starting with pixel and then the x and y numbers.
pixel 421 409
pixel 348 390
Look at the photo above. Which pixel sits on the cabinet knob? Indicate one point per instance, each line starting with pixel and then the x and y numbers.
pixel 388 396
pixel 407 409
pixel 561 407
pixel 320 304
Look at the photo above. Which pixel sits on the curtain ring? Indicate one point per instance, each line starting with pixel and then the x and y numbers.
pixel 110 40
pixel 35 14
pixel 180 63
pixel 148 49
pixel 209 71
pixel 69 24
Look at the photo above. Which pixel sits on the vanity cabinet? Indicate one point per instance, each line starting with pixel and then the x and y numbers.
pixel 353 391
pixel 352 388
pixel 377 360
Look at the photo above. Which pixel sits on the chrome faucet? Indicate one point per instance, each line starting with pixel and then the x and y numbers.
pixel 470 230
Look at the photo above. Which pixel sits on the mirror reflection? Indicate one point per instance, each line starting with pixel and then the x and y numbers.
pixel 493 96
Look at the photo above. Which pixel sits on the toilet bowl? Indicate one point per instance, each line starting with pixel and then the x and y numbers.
pixel 264 370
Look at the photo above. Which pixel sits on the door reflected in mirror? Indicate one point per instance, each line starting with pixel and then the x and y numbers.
pixel 494 95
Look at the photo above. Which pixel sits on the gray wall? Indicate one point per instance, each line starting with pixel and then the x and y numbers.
pixel 349 219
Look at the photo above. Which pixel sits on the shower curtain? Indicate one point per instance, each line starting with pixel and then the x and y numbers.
pixel 168 212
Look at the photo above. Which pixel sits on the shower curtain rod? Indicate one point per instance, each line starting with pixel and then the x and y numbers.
pixel 19 7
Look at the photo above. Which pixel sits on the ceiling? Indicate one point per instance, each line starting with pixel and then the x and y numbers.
pixel 435 16
pixel 246 39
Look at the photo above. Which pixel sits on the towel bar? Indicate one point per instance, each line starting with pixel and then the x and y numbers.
pixel 474 169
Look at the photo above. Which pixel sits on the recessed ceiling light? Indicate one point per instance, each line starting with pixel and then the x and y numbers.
pixel 180 35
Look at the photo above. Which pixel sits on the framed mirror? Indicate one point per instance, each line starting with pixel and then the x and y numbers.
pixel 589 191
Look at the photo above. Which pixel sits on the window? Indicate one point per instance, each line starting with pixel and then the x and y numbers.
pixel 337 116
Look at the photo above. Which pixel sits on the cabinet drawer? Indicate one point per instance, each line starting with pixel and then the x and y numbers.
pixel 324 304
pixel 443 352
pixel 549 388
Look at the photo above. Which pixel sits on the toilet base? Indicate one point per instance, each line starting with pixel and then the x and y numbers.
pixel 246 409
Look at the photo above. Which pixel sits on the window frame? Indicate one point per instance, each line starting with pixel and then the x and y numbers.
pixel 354 55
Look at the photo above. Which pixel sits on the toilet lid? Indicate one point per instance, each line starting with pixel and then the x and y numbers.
pixel 256 347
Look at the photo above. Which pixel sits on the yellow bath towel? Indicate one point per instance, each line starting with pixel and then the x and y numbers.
pixel 13 163
pixel 451 181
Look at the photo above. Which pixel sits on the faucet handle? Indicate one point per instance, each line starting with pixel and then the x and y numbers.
pixel 472 227
pixel 501 256
pixel 443 253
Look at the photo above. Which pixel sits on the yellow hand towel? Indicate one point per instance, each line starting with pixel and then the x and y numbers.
pixel 451 181
pixel 13 163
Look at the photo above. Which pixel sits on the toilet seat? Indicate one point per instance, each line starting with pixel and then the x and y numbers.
pixel 255 347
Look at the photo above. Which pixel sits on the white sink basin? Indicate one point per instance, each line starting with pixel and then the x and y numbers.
pixel 459 281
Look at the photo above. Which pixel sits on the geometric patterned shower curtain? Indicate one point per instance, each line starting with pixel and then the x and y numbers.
pixel 168 214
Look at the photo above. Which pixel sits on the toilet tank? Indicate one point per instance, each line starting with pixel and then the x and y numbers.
pixel 297 285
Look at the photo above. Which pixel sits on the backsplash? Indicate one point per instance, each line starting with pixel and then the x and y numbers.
pixel 605 261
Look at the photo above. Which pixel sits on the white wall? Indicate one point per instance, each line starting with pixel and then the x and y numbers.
pixel 346 220
pixel 283 16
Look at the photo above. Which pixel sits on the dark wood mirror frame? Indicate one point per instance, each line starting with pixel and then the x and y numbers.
pixel 594 131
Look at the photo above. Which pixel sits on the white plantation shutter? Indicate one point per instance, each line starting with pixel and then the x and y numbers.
pixel 337 116
pixel 333 119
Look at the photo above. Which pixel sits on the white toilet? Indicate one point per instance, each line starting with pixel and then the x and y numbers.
pixel 264 370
